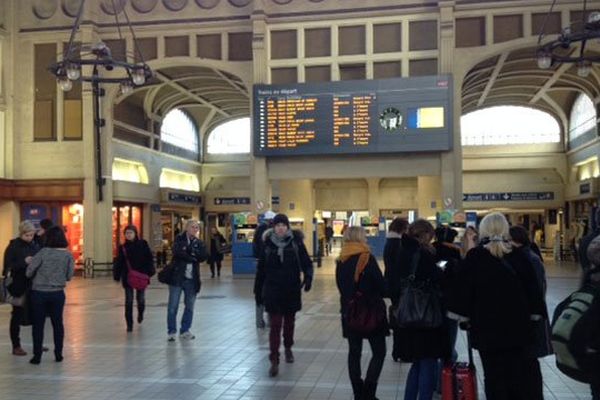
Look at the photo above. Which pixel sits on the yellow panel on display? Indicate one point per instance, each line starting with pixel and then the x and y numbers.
pixel 431 117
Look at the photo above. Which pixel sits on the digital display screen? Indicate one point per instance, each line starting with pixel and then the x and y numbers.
pixel 349 117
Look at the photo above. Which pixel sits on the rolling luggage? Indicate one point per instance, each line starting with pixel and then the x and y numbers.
pixel 459 380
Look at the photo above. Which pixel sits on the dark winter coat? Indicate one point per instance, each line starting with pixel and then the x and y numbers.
pixel 187 251
pixel 499 299
pixel 257 241
pixel 418 344
pixel 583 248
pixel 542 346
pixel 371 284
pixel 451 254
pixel 216 242
pixel 280 283
pixel 139 256
pixel 14 262
pixel 391 263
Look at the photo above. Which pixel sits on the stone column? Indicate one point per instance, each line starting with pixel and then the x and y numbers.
pixel 260 191
pixel 374 206
pixel 429 195
pixel 97 217
pixel 451 162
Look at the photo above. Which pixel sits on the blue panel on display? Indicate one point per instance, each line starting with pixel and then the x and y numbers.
pixel 354 117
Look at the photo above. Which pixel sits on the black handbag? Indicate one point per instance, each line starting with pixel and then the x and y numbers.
pixel 224 248
pixel 365 314
pixel 166 274
pixel 420 304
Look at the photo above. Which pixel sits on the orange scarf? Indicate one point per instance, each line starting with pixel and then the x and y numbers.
pixel 353 248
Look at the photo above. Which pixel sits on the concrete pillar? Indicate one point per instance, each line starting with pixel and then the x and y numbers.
pixel 259 177
pixel 298 201
pixel 429 196
pixel 374 206
pixel 451 162
pixel 97 217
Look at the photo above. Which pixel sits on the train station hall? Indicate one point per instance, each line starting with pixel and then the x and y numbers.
pixel 304 181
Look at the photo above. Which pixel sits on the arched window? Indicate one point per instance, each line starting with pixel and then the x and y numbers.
pixel 129 171
pixel 170 178
pixel 179 130
pixel 232 137
pixel 583 117
pixel 508 125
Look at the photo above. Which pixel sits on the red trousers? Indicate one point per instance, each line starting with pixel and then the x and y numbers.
pixel 277 322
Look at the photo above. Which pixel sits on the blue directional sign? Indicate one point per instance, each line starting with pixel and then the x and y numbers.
pixel 509 196
pixel 231 201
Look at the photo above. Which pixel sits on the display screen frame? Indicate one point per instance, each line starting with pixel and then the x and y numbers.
pixel 386 99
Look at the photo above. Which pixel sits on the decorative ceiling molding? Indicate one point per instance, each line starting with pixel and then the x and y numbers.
pixel 44 9
pixel 144 6
pixel 70 7
pixel 112 7
pixel 240 3
pixel 175 5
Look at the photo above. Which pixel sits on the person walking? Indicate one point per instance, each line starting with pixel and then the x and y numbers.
pixel 17 256
pixel 391 262
pixel 357 270
pixel 257 250
pixel 497 294
pixel 50 269
pixel 215 257
pixel 134 254
pixel 421 346
pixel 283 259
pixel 188 253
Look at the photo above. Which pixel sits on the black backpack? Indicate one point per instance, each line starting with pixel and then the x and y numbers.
pixel 576 334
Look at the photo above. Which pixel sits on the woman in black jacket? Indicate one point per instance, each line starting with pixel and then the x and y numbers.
pixel 134 253
pixel 282 260
pixel 357 269
pixel 497 293
pixel 391 257
pixel 17 256
pixel 420 346
pixel 215 257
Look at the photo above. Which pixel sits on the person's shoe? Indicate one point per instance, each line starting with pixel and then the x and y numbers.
pixel 171 337
pixel 187 336
pixel 369 390
pixel 357 388
pixel 44 348
pixel 140 318
pixel 36 360
pixel 289 356
pixel 212 276
pixel 58 357
pixel 18 351
pixel 274 370
pixel 129 328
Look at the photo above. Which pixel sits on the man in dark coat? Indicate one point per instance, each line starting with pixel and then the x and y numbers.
pixel 40 235
pixel 215 257
pixel 257 249
pixel 188 253
pixel 279 267
pixel 586 240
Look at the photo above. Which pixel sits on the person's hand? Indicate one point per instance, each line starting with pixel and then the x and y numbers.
pixel 306 284
pixel 28 259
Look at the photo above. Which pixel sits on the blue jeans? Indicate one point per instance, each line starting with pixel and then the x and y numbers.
pixel 421 380
pixel 49 304
pixel 189 298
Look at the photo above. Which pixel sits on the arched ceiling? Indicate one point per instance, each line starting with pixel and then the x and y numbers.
pixel 209 95
pixel 513 78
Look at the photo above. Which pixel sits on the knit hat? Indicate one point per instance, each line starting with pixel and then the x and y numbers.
pixel 281 219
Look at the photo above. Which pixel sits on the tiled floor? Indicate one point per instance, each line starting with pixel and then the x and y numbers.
pixel 228 359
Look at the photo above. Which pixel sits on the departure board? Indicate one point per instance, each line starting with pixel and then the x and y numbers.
pixel 349 117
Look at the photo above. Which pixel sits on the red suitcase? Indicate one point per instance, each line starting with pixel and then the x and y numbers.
pixel 459 380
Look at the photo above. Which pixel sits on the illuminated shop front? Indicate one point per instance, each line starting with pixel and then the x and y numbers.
pixel 124 214
pixel 67 215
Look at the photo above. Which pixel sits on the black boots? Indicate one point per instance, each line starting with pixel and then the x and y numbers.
pixel 369 389
pixel 357 389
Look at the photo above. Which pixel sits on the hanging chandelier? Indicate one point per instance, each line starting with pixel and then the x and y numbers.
pixel 571 45
pixel 99 56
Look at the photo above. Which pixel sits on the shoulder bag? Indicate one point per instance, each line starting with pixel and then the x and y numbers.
pixel 365 314
pixel 135 279
pixel 420 304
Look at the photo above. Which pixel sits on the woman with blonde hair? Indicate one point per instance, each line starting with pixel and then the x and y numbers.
pixel 357 272
pixel 497 294
pixel 17 257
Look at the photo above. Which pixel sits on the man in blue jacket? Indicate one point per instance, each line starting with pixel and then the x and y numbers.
pixel 188 253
